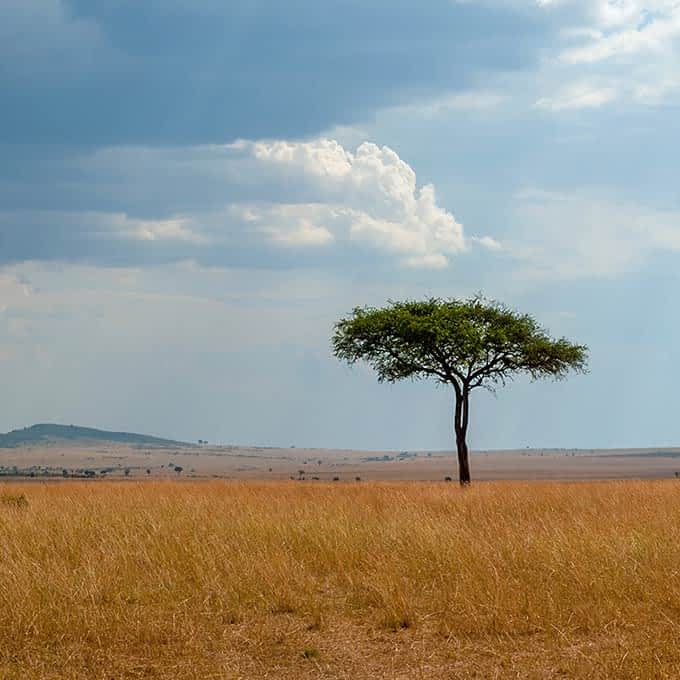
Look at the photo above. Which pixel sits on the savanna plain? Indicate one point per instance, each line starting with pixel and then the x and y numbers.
pixel 235 579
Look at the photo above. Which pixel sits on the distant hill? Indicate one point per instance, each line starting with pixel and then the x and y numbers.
pixel 46 432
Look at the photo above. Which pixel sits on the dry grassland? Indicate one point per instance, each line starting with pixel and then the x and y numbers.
pixel 365 580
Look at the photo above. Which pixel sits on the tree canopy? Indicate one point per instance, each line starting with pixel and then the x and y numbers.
pixel 465 343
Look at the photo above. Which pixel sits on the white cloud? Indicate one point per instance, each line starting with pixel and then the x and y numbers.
pixel 577 96
pixel 245 200
pixel 291 225
pixel 178 229
pixel 653 37
pixel 655 89
pixel 487 242
pixel 628 47
pixel 368 196
pixel 322 158
pixel 426 261
pixel 105 225
pixel 470 101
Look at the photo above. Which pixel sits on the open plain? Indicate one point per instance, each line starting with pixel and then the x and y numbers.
pixel 56 459
pixel 231 579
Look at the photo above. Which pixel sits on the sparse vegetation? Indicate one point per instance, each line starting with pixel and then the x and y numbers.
pixel 310 652
pixel 223 579
pixel 13 500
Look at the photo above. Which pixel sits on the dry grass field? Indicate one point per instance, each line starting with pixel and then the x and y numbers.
pixel 206 580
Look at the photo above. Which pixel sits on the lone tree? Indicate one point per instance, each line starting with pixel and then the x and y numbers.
pixel 464 343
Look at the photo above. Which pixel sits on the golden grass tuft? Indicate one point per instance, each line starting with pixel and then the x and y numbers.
pixel 373 580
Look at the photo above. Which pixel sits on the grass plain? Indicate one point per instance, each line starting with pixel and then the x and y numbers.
pixel 114 461
pixel 227 579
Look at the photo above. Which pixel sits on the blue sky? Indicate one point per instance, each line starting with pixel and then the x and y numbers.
pixel 191 193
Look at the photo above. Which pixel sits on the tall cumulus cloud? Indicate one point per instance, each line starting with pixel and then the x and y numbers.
pixel 251 203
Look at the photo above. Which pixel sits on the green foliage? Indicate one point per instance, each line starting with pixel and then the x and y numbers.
pixel 467 343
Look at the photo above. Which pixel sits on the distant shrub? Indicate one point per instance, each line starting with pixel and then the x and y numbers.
pixel 310 653
pixel 14 500
pixel 336 479
pixel 398 621
pixel 448 479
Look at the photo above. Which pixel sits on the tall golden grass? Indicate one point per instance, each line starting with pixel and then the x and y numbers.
pixel 363 580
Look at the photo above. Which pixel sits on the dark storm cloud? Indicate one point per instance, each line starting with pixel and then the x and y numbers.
pixel 105 73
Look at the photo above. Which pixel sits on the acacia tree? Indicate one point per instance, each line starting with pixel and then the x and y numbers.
pixel 463 343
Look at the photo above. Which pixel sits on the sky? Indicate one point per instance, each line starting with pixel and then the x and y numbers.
pixel 193 192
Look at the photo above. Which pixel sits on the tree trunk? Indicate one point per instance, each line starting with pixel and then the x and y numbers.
pixel 463 461
pixel 461 425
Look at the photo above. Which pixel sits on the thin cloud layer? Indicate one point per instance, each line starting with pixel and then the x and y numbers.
pixel 581 236
pixel 577 96
pixel 609 50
